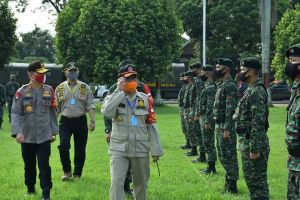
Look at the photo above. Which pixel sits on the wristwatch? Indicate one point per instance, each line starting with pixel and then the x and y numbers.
pixel 107 131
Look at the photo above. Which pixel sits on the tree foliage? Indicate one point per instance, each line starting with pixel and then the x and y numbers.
pixel 56 5
pixel 37 43
pixel 286 34
pixel 98 34
pixel 7 33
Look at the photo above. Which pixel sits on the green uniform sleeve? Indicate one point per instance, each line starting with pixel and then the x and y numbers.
pixel 231 104
pixel 210 99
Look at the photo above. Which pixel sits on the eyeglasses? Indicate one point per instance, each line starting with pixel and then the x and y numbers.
pixel 130 78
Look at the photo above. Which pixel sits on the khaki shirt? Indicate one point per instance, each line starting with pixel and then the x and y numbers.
pixel 33 114
pixel 126 139
pixel 83 99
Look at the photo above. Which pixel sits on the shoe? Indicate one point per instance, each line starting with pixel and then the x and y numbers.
pixel 210 169
pixel 193 152
pixel 66 176
pixel 186 146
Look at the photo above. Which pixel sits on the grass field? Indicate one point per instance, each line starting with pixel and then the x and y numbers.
pixel 179 180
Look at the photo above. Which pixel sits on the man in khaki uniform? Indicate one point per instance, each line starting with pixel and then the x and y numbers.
pixel 134 132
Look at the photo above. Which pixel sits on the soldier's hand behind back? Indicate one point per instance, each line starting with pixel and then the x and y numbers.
pixel 20 138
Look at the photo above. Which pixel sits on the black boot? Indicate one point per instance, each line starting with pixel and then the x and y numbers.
pixel 200 159
pixel 232 188
pixel 186 146
pixel 210 168
pixel 193 152
pixel 30 189
pixel 46 194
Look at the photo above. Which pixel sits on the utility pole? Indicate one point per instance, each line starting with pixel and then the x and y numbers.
pixel 204 33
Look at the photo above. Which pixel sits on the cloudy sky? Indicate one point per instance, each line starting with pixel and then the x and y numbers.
pixel 34 16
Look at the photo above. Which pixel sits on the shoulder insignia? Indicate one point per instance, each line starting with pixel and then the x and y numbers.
pixel 18 95
pixel 141 103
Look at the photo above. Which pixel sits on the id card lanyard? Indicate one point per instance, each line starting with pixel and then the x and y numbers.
pixel 133 118
pixel 72 100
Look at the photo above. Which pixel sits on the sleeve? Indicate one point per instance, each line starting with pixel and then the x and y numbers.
pixel 193 96
pixel 259 118
pixel 58 103
pixel 111 103
pixel 107 124
pixel 231 104
pixel 90 99
pixel 210 99
pixel 16 114
pixel 53 114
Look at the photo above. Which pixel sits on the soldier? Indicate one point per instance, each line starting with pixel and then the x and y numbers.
pixel 181 95
pixel 2 102
pixel 189 120
pixel 11 89
pixel 196 90
pixel 251 118
pixel 134 129
pixel 204 110
pixel 74 99
pixel 292 139
pixel 224 108
pixel 141 87
pixel 34 125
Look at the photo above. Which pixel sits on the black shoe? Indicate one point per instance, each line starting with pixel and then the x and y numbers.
pixel 186 146
pixel 193 152
pixel 210 168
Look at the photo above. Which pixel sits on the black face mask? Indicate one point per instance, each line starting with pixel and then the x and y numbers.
pixel 203 77
pixel 220 73
pixel 243 76
pixel 291 70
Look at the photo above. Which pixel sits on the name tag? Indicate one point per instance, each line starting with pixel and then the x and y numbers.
pixel 134 121
pixel 73 101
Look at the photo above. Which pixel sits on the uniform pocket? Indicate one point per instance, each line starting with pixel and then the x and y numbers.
pixel 46 103
pixel 141 115
pixel 117 144
pixel 142 143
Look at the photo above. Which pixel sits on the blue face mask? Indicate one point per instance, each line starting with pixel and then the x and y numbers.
pixel 72 76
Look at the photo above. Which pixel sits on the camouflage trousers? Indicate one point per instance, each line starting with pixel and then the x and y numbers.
pixel 293 185
pixel 208 137
pixel 255 173
pixel 198 133
pixel 227 152
pixel 183 122
pixel 191 133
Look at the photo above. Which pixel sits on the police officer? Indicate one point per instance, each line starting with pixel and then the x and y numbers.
pixel 134 129
pixel 292 139
pixel 204 110
pixel 11 89
pixel 223 110
pixel 34 125
pixel 141 87
pixel 251 126
pixel 74 99
pixel 2 102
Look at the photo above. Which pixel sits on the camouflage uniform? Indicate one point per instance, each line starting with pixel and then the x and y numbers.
pixel 205 106
pixel 181 95
pixel 293 143
pixel 2 102
pixel 224 108
pixel 10 89
pixel 251 126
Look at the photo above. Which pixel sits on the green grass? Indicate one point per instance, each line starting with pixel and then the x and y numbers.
pixel 179 180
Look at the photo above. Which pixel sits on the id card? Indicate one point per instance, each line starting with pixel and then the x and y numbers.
pixel 134 121
pixel 73 101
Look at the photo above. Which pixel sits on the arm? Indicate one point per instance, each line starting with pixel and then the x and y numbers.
pixel 210 99
pixel 231 104
pixel 16 115
pixel 90 107
pixel 58 103
pixel 53 114
pixel 111 103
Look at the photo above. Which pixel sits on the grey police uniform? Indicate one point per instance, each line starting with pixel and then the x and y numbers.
pixel 73 121
pixel 130 143
pixel 33 114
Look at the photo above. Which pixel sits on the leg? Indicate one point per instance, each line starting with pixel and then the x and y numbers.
pixel 118 170
pixel 29 158
pixel 43 155
pixel 1 115
pixel 141 174
pixel 80 140
pixel 293 192
pixel 9 104
pixel 64 147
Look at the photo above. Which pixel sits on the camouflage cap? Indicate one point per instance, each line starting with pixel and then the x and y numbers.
pixel 225 61
pixel 251 62
pixel 196 65
pixel 189 73
pixel 208 68
pixel 71 66
pixel 293 51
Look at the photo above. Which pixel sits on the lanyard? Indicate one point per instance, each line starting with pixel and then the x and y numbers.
pixel 129 104
pixel 72 91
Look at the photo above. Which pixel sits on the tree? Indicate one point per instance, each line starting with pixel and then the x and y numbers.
pixel 57 5
pixel 37 43
pixel 7 33
pixel 98 34
pixel 286 34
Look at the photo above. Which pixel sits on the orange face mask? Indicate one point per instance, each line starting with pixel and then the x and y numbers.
pixel 130 87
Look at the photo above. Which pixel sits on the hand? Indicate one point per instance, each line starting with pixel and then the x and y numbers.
pixel 155 158
pixel 254 156
pixel 92 126
pixel 120 83
pixel 53 138
pixel 196 118
pixel 108 136
pixel 226 134
pixel 207 126
pixel 20 138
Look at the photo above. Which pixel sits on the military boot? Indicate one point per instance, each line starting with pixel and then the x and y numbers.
pixel 210 168
pixel 186 146
pixel 232 187
pixel 200 159
pixel 193 152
